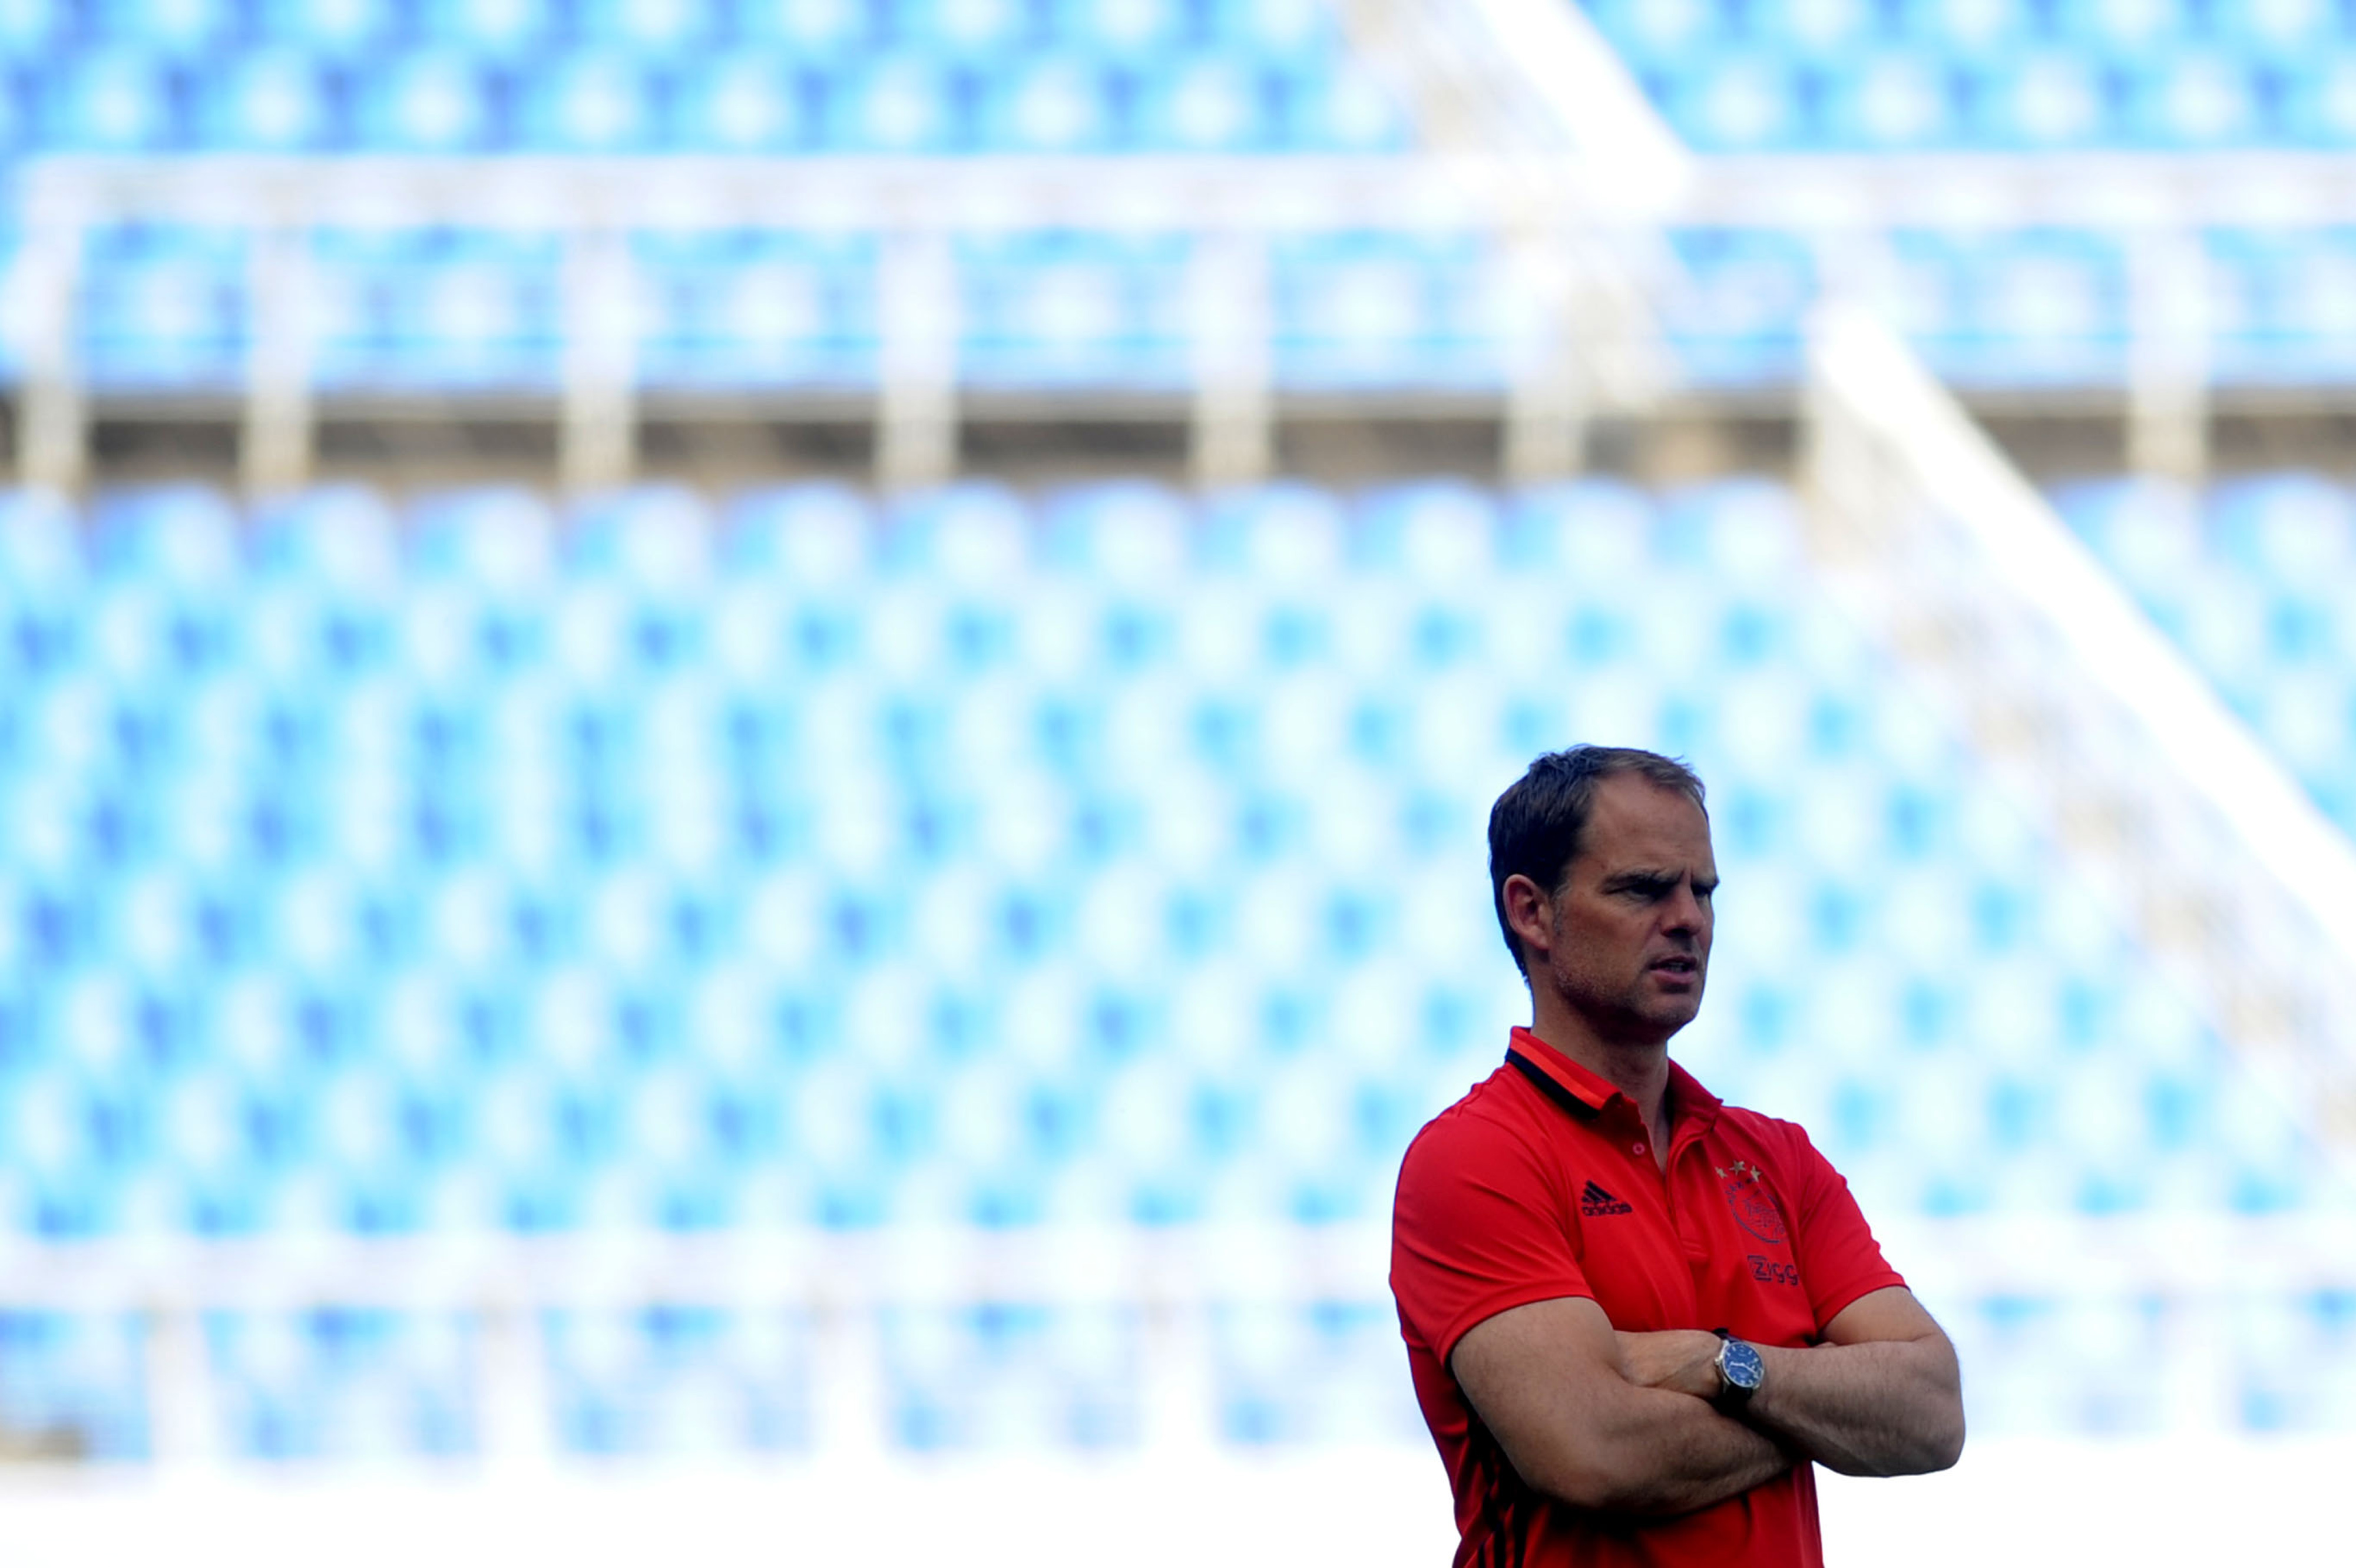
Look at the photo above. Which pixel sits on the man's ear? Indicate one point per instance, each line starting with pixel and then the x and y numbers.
pixel 1530 910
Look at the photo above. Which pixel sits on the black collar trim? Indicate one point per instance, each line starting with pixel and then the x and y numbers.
pixel 1548 1087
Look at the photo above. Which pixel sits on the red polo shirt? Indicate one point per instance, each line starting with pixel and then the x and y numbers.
pixel 1540 1183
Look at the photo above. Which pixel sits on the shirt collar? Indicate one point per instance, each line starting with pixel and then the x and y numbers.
pixel 1586 1096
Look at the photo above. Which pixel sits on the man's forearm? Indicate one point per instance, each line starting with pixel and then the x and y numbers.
pixel 1675 1454
pixel 1886 1408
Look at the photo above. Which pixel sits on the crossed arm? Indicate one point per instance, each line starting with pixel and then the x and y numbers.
pixel 1618 1420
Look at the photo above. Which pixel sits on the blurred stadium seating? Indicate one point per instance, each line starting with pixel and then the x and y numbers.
pixel 478 867
pixel 986 860
pixel 1853 75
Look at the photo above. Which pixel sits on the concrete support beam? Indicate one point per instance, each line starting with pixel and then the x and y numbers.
pixel 597 442
pixel 1230 319
pixel 1545 435
pixel 275 445
pixel 53 439
pixel 916 412
pixel 2167 357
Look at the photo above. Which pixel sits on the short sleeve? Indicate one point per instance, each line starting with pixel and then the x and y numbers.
pixel 1834 1248
pixel 1477 1229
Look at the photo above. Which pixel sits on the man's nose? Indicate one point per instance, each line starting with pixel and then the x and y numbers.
pixel 1685 910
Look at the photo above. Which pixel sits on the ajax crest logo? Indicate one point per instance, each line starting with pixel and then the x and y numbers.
pixel 1755 1210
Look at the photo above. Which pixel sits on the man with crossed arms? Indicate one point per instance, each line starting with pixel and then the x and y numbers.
pixel 1635 1315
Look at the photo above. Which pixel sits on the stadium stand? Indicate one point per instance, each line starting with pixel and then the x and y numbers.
pixel 501 867
pixel 1851 75
pixel 975 858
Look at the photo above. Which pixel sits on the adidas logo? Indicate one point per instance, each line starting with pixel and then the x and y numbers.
pixel 1595 1201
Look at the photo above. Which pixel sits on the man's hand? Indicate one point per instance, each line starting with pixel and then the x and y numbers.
pixel 1554 1382
pixel 1881 1396
pixel 1683 1360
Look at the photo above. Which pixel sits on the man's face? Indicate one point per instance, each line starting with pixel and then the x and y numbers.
pixel 1631 927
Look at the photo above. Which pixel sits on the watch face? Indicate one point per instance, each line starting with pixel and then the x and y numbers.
pixel 1744 1369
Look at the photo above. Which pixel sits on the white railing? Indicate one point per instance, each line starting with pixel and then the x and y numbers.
pixel 1537 140
pixel 1235 207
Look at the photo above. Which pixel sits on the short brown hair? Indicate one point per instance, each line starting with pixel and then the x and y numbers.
pixel 1535 826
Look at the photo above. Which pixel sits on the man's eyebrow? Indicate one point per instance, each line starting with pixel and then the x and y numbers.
pixel 1641 876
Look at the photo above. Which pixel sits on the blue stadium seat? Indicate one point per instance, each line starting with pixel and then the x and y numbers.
pixel 1374 309
pixel 2319 105
pixel 1653 36
pixel 755 101
pixel 279 103
pixel 32 32
pixel 809 535
pixel 182 30
pixel 167 308
pixel 1307 1374
pixel 1822 27
pixel 176 538
pixel 1134 32
pixel 746 309
pixel 1066 309
pixel 652 29
pixel 974 534
pixel 2201 99
pixel 341 31
pixel 339 1382
pixel 1726 102
pixel 506 31
pixel 474 308
pixel 110 100
pixel 1050 104
pixel 1285 533
pixel 339 540
pixel 2282 31
pixel 1009 1375
pixel 2046 100
pixel 673 1381
pixel 1125 532
pixel 40 555
pixel 1280 30
pixel 432 99
pixel 2047 303
pixel 76 1374
pixel 1208 103
pixel 1892 100
pixel 1432 533
pixel 1341 109
pixel 502 539
pixel 819 30
pixel 592 101
pixel 653 541
pixel 901 103
pixel 2123 29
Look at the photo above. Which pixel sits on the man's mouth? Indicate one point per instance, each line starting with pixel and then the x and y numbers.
pixel 1678 965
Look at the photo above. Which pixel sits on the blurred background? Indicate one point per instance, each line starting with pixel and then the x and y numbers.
pixel 744 743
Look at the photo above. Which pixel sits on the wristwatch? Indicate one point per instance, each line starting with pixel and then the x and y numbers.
pixel 1739 1372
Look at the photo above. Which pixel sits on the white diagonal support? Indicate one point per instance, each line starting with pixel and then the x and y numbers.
pixel 2214 855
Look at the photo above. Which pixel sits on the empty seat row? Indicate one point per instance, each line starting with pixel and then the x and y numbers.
pixel 616 101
